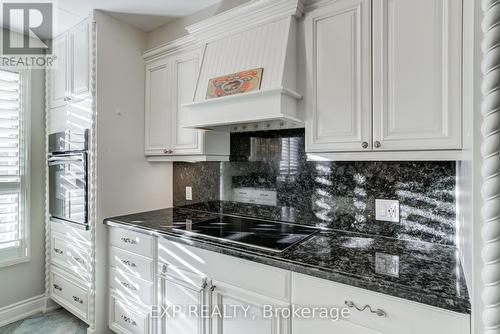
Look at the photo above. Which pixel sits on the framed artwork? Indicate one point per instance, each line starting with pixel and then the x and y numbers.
pixel 236 83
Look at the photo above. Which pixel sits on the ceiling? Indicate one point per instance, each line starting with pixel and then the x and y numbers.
pixel 146 15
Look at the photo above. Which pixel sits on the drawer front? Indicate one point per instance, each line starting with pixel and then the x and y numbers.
pixel 70 257
pixel 401 316
pixel 77 237
pixel 262 279
pixel 131 241
pixel 73 296
pixel 125 318
pixel 136 289
pixel 132 264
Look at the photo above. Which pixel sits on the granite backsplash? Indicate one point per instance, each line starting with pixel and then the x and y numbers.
pixel 337 195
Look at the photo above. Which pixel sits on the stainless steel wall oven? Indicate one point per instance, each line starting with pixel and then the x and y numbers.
pixel 68 178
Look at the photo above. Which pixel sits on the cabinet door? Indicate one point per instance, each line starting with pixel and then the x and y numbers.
pixel 242 312
pixel 417 74
pixel 58 78
pixel 185 68
pixel 158 112
pixel 338 73
pixel 187 293
pixel 79 80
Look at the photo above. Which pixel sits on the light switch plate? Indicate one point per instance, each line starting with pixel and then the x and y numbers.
pixel 189 193
pixel 386 264
pixel 387 210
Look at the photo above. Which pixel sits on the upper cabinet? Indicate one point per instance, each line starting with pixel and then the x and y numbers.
pixel 170 82
pixel 79 52
pixel 339 77
pixel 408 53
pixel 59 73
pixel 69 79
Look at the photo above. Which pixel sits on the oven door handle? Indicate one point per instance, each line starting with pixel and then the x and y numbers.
pixel 60 159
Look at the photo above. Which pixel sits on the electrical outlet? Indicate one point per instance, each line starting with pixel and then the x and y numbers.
pixel 387 264
pixel 387 210
pixel 189 193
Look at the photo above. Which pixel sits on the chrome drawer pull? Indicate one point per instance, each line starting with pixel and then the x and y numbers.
pixel 212 287
pixel 379 312
pixel 78 259
pixel 78 300
pixel 129 241
pixel 129 286
pixel 57 287
pixel 129 263
pixel 58 251
pixel 128 320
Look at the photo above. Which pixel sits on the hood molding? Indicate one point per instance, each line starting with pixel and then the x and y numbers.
pixel 238 19
pixel 236 41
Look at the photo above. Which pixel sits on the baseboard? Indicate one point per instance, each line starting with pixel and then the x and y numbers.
pixel 24 309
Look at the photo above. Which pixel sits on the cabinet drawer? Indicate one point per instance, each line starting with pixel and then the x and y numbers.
pixel 132 264
pixel 126 318
pixel 69 257
pixel 262 279
pixel 68 292
pixel 136 289
pixel 134 242
pixel 402 316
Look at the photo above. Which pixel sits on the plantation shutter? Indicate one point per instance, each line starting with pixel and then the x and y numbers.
pixel 11 143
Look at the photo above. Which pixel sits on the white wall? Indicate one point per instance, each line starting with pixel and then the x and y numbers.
pixel 175 28
pixel 26 280
pixel 126 181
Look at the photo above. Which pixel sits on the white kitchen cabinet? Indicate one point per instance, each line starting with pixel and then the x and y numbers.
pixel 132 282
pixel 69 79
pixel 417 47
pixel 245 311
pixel 185 73
pixel 338 40
pixel 198 282
pixel 188 291
pixel 390 315
pixel 158 115
pixel 79 51
pixel 58 75
pixel 408 53
pixel 170 82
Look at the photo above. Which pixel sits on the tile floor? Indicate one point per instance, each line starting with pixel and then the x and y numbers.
pixel 56 322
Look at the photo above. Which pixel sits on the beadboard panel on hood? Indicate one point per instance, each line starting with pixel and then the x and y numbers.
pixel 339 195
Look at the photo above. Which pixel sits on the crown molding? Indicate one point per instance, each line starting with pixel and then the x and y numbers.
pixel 182 43
pixel 252 14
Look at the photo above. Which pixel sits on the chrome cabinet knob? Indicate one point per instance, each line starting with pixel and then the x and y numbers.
pixel 377 144
pixel 364 144
pixel 168 151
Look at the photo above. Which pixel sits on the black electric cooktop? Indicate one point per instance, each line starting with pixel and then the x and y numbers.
pixel 264 234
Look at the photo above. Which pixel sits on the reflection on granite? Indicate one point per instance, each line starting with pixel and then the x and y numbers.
pixel 206 189
pixel 339 195
pixel 429 273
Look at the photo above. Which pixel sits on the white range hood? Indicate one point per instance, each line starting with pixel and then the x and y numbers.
pixel 260 34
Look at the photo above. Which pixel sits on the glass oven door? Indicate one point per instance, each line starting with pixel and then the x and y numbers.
pixel 68 187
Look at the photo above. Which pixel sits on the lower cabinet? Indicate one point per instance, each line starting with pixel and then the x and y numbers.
pixel 186 295
pixel 70 292
pixel 220 294
pixel 383 314
pixel 132 282
pixel 195 291
pixel 244 312
pixel 126 317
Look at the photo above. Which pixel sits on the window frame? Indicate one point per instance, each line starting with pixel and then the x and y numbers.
pixel 22 253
